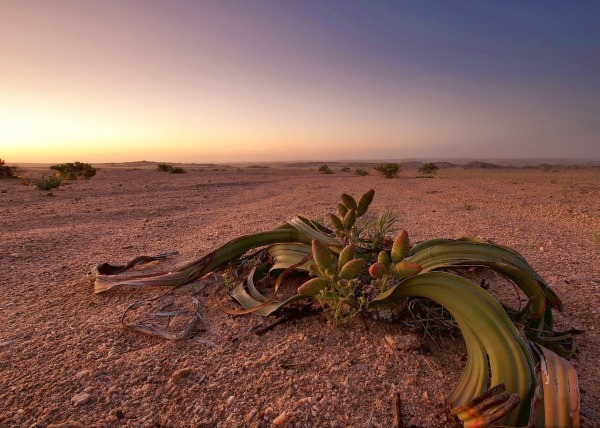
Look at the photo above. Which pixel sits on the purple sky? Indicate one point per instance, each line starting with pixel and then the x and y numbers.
pixel 284 80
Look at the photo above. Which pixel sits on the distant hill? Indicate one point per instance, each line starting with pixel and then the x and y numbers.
pixel 481 165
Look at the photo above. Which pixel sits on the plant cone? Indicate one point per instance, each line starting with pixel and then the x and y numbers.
pixel 346 255
pixel 352 269
pixel 336 222
pixel 364 202
pixel 321 254
pixel 400 246
pixel 383 258
pixel 378 270
pixel 349 201
pixel 349 219
pixel 406 269
pixel 312 287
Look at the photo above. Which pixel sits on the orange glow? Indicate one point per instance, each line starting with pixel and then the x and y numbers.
pixel 208 81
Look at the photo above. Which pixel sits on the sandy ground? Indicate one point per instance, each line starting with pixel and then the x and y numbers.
pixel 65 357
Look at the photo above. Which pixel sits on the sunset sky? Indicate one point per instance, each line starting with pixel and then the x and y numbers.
pixel 195 81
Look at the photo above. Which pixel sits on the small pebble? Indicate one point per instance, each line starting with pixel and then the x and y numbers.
pixel 251 415
pixel 80 399
pixel 181 373
pixel 82 374
pixel 281 419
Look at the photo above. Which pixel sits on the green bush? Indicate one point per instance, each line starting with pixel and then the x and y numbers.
pixel 47 183
pixel 73 171
pixel 361 172
pixel 169 168
pixel 324 169
pixel 389 170
pixel 6 171
pixel 428 168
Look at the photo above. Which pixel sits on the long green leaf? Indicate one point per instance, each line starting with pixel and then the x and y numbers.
pixel 288 253
pixel 478 313
pixel 303 227
pixel 200 267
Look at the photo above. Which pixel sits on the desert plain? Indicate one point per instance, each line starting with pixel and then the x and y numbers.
pixel 65 359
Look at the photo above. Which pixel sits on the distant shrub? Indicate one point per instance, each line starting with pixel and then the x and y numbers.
pixel 324 169
pixel 47 183
pixel 428 168
pixel 389 170
pixel 345 169
pixel 361 172
pixel 73 171
pixel 169 168
pixel 6 171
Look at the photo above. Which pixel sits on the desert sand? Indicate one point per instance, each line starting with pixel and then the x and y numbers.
pixel 64 355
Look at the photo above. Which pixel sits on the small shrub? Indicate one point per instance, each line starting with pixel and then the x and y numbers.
pixel 597 238
pixel 346 169
pixel 47 183
pixel 324 169
pixel 6 171
pixel 428 168
pixel 467 206
pixel 389 170
pixel 361 172
pixel 73 171
pixel 169 168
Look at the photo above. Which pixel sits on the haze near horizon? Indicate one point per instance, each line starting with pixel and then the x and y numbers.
pixel 108 81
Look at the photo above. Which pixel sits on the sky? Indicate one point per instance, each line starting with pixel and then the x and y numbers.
pixel 272 80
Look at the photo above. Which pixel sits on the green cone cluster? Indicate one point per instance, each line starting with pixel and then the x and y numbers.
pixel 335 281
pixel 347 213
pixel 395 265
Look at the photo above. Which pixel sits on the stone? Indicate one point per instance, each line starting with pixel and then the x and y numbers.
pixel 67 424
pixel 81 399
pixel 406 342
pixel 181 373
pixel 282 418
pixel 83 373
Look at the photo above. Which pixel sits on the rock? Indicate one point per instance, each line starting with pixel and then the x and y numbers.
pixel 250 416
pixel 406 342
pixel 230 400
pixel 181 373
pixel 83 373
pixel 282 419
pixel 67 424
pixel 81 399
